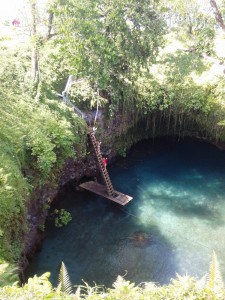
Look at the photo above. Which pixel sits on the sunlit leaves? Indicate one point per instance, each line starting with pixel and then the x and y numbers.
pixel 35 140
pixel 108 38
pixel 183 287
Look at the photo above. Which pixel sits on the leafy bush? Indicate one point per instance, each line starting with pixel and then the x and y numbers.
pixel 49 137
pixel 62 217
pixel 82 93
pixel 36 137
pixel 8 274
pixel 36 288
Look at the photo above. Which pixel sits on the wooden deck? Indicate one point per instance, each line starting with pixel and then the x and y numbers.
pixel 101 190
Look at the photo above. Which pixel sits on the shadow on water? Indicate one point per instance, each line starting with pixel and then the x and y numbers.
pixel 173 224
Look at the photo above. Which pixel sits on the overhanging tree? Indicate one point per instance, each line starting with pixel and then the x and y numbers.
pixel 108 40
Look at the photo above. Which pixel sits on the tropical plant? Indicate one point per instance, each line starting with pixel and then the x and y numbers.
pixel 36 137
pixel 86 96
pixel 183 287
pixel 62 217
pixel 65 284
pixel 8 274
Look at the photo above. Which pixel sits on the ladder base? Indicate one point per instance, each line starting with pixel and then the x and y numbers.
pixel 101 190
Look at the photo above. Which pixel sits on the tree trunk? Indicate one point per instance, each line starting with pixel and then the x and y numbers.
pixel 50 24
pixel 34 54
pixel 217 13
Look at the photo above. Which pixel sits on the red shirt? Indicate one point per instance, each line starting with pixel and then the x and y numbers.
pixel 104 161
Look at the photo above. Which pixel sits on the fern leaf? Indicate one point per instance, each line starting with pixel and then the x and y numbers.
pixel 77 294
pixel 64 280
pixel 214 279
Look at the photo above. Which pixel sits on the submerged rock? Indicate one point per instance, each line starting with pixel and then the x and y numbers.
pixel 141 239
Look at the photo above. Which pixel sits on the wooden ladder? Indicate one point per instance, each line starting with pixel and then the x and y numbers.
pixel 103 170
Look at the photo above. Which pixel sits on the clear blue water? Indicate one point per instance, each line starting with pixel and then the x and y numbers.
pixel 179 203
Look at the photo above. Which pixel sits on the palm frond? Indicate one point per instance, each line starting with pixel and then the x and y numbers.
pixel 65 284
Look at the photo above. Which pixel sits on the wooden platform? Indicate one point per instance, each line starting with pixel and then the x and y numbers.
pixel 100 190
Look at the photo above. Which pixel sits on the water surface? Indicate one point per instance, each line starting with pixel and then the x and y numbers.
pixel 179 204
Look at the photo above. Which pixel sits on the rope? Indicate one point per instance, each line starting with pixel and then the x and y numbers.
pixel 96 114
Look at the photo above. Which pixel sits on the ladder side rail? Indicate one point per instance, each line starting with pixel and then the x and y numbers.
pixel 103 170
pixel 105 174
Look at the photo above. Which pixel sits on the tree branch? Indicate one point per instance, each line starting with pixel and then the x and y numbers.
pixel 217 13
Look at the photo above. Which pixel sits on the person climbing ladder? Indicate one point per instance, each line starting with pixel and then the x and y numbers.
pixel 104 161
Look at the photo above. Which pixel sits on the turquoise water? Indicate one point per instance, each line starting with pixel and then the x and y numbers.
pixel 179 204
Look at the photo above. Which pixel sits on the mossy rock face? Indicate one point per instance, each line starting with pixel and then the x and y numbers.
pixel 140 239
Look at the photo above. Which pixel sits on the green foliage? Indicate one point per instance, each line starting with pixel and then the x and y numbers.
pixel 117 37
pixel 39 145
pixel 37 288
pixel 55 71
pixel 204 35
pixel 36 137
pixel 193 24
pixel 183 287
pixel 41 227
pixel 151 95
pixel 8 274
pixel 122 152
pixel 51 136
pixel 121 41
pixel 62 217
pixel 219 90
pixel 180 13
pixel 179 65
pixel 85 96
pixel 13 71
pixel 13 191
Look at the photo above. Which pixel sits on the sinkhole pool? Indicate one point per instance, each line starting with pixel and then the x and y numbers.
pixel 173 224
